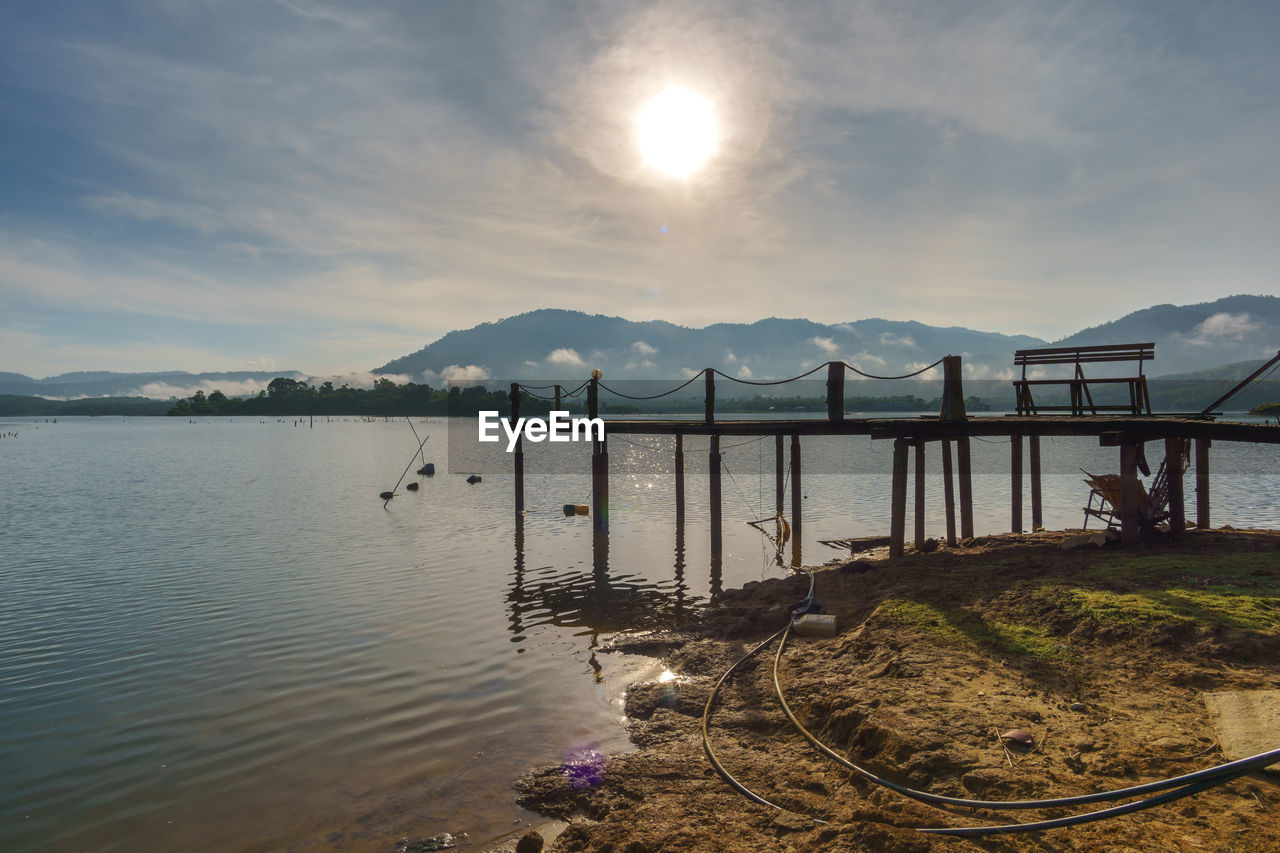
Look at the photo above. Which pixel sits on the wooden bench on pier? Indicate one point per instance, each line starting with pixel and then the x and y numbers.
pixel 1080 397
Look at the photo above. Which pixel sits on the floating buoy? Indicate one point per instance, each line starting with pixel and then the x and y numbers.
pixel 428 470
pixel 581 509
pixel 413 487
pixel 386 496
pixel 473 479
pixel 569 509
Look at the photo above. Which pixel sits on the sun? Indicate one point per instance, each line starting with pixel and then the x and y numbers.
pixel 676 132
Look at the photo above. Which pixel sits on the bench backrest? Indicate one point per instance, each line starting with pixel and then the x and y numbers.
pixel 1082 355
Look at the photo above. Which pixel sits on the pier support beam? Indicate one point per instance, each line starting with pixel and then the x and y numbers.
pixel 919 507
pixel 713 468
pixel 1015 482
pixel 835 391
pixel 1130 517
pixel 966 487
pixel 797 495
pixel 948 492
pixel 1037 505
pixel 680 483
pixel 779 474
pixel 1173 474
pixel 600 487
pixel 898 501
pixel 1202 483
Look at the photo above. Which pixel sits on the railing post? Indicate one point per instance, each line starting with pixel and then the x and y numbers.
pixel 593 395
pixel 835 391
pixel 710 375
pixel 557 392
pixel 952 390
pixel 600 487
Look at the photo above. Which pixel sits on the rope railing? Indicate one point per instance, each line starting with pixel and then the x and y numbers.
pixel 835 386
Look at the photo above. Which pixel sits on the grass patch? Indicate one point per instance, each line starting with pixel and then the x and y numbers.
pixel 1225 606
pixel 958 627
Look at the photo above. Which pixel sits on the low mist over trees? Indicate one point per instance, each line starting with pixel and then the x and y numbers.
pixel 284 396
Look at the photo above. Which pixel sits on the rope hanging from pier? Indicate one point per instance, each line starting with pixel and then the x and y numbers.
pixel 903 376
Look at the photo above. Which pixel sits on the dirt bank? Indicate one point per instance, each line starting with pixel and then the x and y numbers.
pixel 1100 655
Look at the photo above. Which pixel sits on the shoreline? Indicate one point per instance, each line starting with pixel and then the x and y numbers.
pixel 1101 654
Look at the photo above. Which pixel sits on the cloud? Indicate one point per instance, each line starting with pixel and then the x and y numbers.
pixel 744 372
pixel 827 345
pixel 729 357
pixel 565 356
pixel 166 390
pixel 471 373
pixel 643 348
pixel 889 339
pixel 1224 328
pixel 359 379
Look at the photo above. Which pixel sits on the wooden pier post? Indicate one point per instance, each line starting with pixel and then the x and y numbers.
pixel 952 390
pixel 966 487
pixel 710 375
pixel 898 500
pixel 713 468
pixel 558 406
pixel 919 508
pixel 518 461
pixel 1037 506
pixel 680 481
pixel 1015 482
pixel 1173 474
pixel 797 494
pixel 600 487
pixel 835 391
pixel 779 475
pixel 1130 510
pixel 948 492
pixel 1202 482
pixel 593 395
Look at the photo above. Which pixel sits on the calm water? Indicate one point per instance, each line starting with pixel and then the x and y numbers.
pixel 213 636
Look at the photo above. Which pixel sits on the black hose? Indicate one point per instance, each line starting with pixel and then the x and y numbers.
pixel 1220 773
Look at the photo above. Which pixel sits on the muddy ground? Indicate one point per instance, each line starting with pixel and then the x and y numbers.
pixel 1100 655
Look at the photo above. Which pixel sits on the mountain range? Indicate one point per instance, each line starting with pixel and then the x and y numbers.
pixel 558 344
pixel 569 344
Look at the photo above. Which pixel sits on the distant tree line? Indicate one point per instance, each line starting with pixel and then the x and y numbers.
pixel 293 397
pixel 284 396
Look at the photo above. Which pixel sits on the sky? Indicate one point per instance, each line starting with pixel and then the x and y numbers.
pixel 285 184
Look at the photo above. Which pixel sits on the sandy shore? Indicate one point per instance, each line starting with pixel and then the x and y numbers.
pixel 1100 656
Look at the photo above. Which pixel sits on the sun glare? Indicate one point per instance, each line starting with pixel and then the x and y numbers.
pixel 676 132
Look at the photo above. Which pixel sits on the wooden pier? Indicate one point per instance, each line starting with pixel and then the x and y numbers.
pixel 912 437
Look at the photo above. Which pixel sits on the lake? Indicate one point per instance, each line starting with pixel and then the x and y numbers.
pixel 213 635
